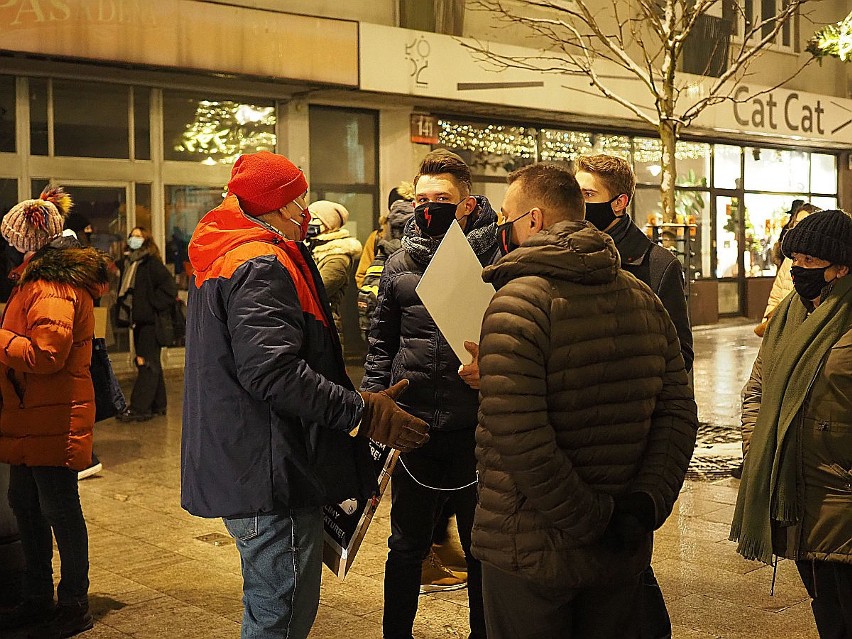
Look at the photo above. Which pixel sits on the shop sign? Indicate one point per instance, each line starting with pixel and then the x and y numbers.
pixel 424 128
pixel 438 66
pixel 184 34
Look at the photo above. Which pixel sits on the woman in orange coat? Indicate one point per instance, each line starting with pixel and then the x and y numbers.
pixel 48 407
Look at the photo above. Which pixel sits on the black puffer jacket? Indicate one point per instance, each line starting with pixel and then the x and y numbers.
pixel 404 341
pixel 584 400
pixel 154 289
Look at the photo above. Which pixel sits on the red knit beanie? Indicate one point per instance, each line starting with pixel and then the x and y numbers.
pixel 265 182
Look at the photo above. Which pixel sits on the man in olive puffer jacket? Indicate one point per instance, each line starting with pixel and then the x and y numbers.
pixel 586 422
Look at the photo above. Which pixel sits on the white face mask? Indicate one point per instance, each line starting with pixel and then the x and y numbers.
pixel 135 243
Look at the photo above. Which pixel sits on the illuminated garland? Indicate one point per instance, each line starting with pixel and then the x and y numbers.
pixel 493 139
pixel 834 41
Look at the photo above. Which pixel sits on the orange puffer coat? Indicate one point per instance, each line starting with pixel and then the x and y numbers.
pixel 48 402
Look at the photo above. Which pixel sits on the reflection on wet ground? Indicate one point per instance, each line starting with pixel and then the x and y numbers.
pixel 724 354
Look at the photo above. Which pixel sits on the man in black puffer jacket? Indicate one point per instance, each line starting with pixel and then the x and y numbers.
pixel 404 342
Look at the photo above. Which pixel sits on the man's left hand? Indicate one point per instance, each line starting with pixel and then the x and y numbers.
pixel 470 372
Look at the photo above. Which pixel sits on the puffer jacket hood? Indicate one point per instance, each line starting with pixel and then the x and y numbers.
pixel 338 242
pixel 65 261
pixel 401 212
pixel 223 229
pixel 571 251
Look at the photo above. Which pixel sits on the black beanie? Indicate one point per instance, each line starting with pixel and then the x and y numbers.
pixel 826 235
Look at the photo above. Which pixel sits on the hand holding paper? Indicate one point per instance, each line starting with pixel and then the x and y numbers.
pixel 470 372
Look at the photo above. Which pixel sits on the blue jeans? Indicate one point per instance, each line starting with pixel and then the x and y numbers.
pixel 281 557
pixel 45 497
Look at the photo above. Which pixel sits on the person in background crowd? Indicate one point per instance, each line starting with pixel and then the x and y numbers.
pixel 334 251
pixel 49 408
pixel 777 254
pixel 586 422
pixel 405 342
pixel 405 192
pixel 149 285
pixel 608 184
pixel 794 499
pixel 79 226
pixel 269 412
pixel 783 284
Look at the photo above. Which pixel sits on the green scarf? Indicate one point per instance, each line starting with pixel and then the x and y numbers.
pixel 792 353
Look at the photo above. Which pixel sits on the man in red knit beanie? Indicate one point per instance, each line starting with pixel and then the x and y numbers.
pixel 269 413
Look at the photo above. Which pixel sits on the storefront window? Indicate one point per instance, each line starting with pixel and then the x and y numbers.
pixel 83 131
pixel 185 206
pixel 727 245
pixel 776 170
pixel 215 130
pixel 825 203
pixel 142 123
pixel 490 149
pixel 38 116
pixel 727 165
pixel 142 214
pixel 617 145
pixel 823 173
pixel 693 162
pixel 7 114
pixel 765 215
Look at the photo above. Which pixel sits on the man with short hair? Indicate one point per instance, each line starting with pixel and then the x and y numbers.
pixel 586 422
pixel 269 412
pixel 608 184
pixel 405 342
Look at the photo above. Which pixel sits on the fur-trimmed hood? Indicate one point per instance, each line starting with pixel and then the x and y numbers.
pixel 66 262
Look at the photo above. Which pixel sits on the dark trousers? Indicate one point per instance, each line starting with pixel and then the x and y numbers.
pixel 45 497
pixel 518 608
pixel 829 583
pixel 149 391
pixel 446 461
pixel 654 621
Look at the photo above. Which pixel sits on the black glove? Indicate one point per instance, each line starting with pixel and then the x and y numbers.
pixel 386 423
pixel 633 517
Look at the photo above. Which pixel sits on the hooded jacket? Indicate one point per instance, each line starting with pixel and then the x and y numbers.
pixel 584 398
pixel 405 343
pixel 48 402
pixel 267 402
pixel 335 254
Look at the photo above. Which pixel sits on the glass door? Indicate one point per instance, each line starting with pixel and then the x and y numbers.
pixel 728 267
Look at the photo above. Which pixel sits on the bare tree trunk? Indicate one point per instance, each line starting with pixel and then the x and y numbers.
pixel 668 136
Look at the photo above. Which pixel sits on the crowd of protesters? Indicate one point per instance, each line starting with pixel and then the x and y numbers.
pixel 558 447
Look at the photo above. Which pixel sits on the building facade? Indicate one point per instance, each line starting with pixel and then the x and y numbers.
pixel 140 108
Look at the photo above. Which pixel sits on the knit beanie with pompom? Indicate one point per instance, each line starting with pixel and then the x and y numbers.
pixel 32 224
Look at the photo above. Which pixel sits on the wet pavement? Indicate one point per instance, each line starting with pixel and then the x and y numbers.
pixel 157 572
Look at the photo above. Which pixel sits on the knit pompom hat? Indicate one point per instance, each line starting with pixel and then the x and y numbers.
pixel 826 235
pixel 31 224
pixel 264 182
pixel 332 215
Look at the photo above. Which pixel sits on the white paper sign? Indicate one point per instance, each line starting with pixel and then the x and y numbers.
pixel 453 292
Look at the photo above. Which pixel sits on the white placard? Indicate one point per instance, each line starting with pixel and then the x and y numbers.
pixel 453 292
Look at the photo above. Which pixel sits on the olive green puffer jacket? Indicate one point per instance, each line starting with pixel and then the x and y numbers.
pixel 584 397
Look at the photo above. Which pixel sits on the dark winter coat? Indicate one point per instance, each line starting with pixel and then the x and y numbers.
pixel 584 397
pixel 48 402
pixel 154 290
pixel 405 343
pixel 824 430
pixel 267 402
pixel 662 271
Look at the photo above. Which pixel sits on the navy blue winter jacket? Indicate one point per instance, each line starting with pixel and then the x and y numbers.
pixel 405 343
pixel 267 402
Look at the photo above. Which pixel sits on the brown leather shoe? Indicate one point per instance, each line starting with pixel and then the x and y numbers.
pixel 435 577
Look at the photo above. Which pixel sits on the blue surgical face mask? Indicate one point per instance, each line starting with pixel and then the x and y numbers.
pixel 135 243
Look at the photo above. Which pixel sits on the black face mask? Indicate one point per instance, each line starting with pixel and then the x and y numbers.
pixel 601 214
pixel 435 218
pixel 504 235
pixel 809 282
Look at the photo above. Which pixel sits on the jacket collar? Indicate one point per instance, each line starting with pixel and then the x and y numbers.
pixel 631 242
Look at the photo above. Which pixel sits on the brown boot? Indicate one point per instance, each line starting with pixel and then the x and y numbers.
pixel 451 555
pixel 434 577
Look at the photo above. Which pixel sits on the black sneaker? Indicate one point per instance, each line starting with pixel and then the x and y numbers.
pixel 68 620
pixel 27 613
pixel 131 415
